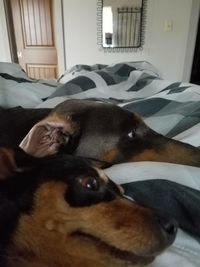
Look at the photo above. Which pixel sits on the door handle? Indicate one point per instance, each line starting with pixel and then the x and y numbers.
pixel 19 54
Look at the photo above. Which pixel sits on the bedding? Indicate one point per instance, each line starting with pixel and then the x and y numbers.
pixel 17 89
pixel 170 108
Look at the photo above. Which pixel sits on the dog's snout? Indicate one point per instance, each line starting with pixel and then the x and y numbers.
pixel 169 226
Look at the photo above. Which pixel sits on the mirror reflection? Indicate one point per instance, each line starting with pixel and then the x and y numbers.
pixel 121 23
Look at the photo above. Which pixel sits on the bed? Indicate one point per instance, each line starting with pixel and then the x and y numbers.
pixel 170 108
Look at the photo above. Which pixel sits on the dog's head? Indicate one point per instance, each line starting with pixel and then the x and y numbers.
pixel 61 211
pixel 105 133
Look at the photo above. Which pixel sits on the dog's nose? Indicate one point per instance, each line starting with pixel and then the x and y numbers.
pixel 169 226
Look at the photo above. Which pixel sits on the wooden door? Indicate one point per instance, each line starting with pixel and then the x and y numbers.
pixel 33 28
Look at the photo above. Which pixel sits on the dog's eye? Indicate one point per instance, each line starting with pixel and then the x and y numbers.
pixel 132 134
pixel 89 183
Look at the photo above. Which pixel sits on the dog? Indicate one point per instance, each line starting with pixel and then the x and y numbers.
pixel 61 211
pixel 105 133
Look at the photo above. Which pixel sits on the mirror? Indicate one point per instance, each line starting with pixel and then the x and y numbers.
pixel 122 23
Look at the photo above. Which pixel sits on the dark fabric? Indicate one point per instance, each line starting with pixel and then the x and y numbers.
pixel 143 81
pixel 107 78
pixel 169 199
pixel 84 82
pixel 148 107
pixel 124 69
pixel 76 85
pixel 10 77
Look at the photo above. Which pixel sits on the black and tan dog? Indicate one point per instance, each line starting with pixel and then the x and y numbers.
pixel 103 132
pixel 59 211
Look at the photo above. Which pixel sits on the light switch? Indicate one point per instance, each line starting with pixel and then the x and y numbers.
pixel 168 25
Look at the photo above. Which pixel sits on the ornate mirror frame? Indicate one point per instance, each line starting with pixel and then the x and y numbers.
pixel 121 48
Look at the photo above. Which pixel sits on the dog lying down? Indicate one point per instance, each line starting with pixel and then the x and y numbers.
pixel 60 211
pixel 103 132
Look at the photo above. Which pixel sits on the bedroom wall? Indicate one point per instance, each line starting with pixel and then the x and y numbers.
pixel 81 36
pixel 166 50
pixel 4 43
pixel 173 51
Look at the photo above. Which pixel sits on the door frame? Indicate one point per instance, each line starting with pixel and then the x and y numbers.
pixel 191 41
pixel 58 27
pixel 59 35
pixel 10 31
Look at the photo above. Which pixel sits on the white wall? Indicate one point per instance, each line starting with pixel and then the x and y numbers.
pixel 166 50
pixel 4 43
pixel 81 36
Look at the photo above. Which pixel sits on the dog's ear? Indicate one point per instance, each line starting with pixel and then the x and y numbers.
pixel 13 161
pixel 48 135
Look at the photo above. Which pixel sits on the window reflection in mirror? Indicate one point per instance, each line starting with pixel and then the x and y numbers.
pixel 121 23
